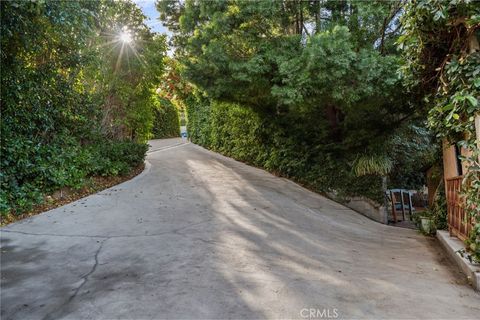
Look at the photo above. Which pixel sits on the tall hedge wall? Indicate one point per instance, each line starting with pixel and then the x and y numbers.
pixel 282 144
pixel 166 122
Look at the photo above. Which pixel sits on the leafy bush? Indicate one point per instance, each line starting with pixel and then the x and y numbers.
pixel 41 169
pixel 442 61
pixel 439 208
pixel 307 103
pixel 69 100
pixel 166 122
pixel 115 158
pixel 286 146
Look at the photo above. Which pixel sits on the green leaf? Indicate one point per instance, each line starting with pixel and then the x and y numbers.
pixel 476 82
pixel 473 101
pixel 447 107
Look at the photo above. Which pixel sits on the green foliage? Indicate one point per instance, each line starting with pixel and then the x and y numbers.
pixel 413 151
pixel 116 158
pixel 125 75
pixel 442 58
pixel 32 170
pixel 58 80
pixel 259 54
pixel 437 213
pixel 166 122
pixel 439 208
pixel 305 89
pixel 374 164
pixel 280 145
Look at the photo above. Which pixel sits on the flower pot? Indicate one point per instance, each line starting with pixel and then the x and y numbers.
pixel 427 225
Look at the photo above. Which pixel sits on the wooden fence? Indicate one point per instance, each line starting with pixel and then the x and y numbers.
pixel 459 224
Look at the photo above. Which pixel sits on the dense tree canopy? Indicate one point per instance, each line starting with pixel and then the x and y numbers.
pixel 129 72
pixel 246 51
pixel 78 83
pixel 321 74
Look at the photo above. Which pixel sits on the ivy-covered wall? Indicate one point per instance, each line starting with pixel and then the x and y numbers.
pixel 441 54
pixel 284 145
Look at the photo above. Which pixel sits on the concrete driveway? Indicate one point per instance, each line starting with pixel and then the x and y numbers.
pixel 201 236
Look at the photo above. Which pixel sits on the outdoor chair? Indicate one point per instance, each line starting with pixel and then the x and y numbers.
pixel 400 201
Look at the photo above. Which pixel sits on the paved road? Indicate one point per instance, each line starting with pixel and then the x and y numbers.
pixel 198 235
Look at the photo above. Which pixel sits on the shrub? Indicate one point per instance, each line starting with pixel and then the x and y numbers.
pixel 31 170
pixel 115 158
pixel 166 121
pixel 64 104
pixel 285 145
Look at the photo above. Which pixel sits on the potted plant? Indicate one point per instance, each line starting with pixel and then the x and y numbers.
pixel 426 221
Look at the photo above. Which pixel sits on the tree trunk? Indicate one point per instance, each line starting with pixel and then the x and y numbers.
pixel 332 115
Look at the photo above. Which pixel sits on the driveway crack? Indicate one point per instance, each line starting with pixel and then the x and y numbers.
pixel 85 277
pixel 55 235
pixel 84 280
pixel 173 231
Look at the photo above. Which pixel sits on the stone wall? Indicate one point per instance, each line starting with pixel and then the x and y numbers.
pixel 368 208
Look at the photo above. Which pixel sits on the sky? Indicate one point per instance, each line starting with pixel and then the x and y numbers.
pixel 148 8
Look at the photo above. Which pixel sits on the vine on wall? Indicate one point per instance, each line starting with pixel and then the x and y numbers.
pixel 442 61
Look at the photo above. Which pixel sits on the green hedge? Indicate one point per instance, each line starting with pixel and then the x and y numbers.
pixel 62 112
pixel 166 121
pixel 30 170
pixel 288 145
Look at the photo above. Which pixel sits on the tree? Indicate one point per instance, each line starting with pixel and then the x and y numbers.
pixel 60 73
pixel 321 74
pixel 442 61
pixel 166 121
pixel 128 71
pixel 45 109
